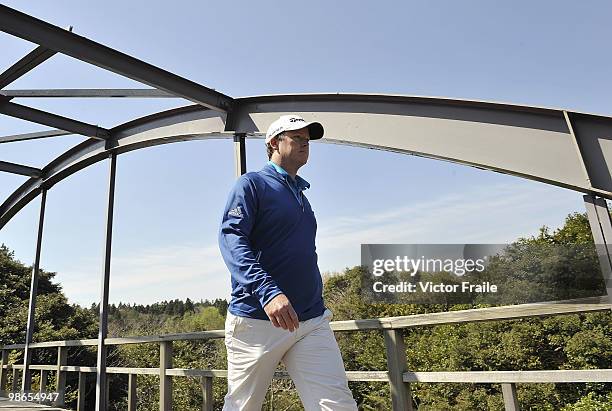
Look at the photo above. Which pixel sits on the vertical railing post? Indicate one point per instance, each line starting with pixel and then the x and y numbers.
pixel 60 383
pixel 396 365
pixel 601 228
pixel 42 387
pixel 165 381
pixel 207 393
pixel 510 398
pixel 26 383
pixel 107 391
pixel 101 383
pixel 132 386
pixel 81 391
pixel 3 370
pixel 14 385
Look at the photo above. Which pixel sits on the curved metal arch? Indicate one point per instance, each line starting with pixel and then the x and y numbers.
pixel 188 123
pixel 570 150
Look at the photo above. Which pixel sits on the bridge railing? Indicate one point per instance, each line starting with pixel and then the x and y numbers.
pixel 397 374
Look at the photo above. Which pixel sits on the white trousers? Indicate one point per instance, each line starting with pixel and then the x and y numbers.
pixel 310 354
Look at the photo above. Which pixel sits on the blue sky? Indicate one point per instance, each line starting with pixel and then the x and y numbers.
pixel 169 198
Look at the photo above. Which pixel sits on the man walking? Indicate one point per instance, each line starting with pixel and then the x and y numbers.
pixel 276 312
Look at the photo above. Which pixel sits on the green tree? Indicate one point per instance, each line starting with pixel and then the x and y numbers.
pixel 574 341
pixel 55 319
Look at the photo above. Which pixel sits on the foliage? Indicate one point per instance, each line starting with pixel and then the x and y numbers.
pixel 575 341
pixel 591 402
pixel 55 319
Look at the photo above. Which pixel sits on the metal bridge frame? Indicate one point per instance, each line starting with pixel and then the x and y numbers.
pixel 558 147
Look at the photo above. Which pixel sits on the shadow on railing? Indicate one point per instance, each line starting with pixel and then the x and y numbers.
pixel 397 375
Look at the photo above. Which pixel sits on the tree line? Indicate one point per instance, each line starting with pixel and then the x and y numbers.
pixel 574 341
pixel 171 307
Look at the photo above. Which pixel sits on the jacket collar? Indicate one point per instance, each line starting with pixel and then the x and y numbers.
pixel 275 170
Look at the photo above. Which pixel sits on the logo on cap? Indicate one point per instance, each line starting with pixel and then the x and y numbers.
pixel 288 122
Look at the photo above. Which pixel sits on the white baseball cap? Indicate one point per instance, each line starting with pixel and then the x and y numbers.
pixel 294 122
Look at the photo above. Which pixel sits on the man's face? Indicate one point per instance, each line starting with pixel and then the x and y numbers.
pixel 293 148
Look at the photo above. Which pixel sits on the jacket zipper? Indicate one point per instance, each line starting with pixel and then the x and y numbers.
pixel 301 193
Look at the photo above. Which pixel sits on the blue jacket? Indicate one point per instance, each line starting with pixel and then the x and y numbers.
pixel 267 239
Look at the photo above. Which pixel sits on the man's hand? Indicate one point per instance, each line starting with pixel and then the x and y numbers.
pixel 281 313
